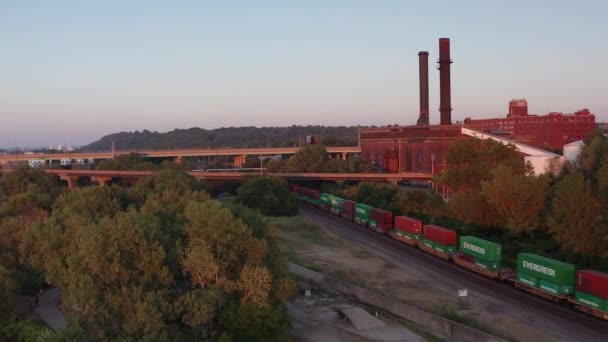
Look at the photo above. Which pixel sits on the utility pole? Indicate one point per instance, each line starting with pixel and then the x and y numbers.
pixel 261 166
pixel 432 170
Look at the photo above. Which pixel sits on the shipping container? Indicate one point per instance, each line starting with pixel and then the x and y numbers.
pixel 408 225
pixel 336 205
pixel 440 235
pixel 467 258
pixel 428 243
pixel 408 235
pixel 348 210
pixel 589 300
pixel 554 271
pixel 592 282
pixel 362 212
pixel 325 201
pixel 491 265
pixel 480 249
pixel 527 279
pixel 555 289
pixel 444 249
pixel 380 220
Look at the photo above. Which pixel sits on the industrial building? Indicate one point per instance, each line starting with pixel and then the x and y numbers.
pixel 422 148
pixel 550 131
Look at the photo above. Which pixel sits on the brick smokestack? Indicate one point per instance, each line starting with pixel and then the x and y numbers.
pixel 445 101
pixel 423 67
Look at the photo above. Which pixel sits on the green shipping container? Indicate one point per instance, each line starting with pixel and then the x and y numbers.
pixel 590 300
pixel 553 271
pixel 325 198
pixel 444 249
pixel 480 249
pixel 527 279
pixel 362 212
pixel 336 203
pixel 555 289
pixel 428 243
pixel 491 265
pixel 407 235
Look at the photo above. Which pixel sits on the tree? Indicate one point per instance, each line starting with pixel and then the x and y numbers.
pixel 379 195
pixel 161 261
pixel 471 206
pixel 575 220
pixel 519 199
pixel 269 195
pixel 470 161
pixel 112 274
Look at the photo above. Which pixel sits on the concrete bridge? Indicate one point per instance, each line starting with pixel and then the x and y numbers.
pixel 239 154
pixel 102 177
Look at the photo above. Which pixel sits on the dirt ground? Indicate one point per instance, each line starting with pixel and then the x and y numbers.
pixel 315 318
pixel 310 245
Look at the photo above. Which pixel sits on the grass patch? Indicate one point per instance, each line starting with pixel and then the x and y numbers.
pixel 425 334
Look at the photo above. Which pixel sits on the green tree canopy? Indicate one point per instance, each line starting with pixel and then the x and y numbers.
pixel 269 195
pixel 471 161
pixel 576 219
pixel 519 199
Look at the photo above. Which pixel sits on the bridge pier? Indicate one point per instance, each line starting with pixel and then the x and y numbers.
pixel 102 180
pixel 239 161
pixel 71 180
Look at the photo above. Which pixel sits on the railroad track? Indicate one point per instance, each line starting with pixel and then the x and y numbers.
pixel 595 328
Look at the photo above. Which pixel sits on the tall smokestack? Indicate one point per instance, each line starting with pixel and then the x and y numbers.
pixel 423 66
pixel 445 102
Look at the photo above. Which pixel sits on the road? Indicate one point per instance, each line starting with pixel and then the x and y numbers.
pixel 561 323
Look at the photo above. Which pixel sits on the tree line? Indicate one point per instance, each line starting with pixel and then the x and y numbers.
pixel 159 261
pixel 496 196
pixel 226 137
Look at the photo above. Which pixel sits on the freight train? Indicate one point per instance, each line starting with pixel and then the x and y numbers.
pixel 584 290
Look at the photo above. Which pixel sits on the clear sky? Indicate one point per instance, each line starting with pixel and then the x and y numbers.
pixel 72 71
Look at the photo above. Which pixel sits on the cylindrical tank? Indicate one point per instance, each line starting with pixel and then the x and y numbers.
pixel 573 150
pixel 445 100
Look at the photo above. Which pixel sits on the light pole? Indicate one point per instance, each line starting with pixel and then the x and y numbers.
pixel 432 170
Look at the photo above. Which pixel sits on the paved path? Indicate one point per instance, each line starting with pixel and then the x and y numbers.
pixel 48 309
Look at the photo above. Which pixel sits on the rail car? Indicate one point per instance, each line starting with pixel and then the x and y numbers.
pixel 583 290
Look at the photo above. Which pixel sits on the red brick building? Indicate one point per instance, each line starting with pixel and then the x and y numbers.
pixel 552 130
pixel 409 148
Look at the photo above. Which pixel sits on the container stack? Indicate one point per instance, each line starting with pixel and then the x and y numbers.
pixel 486 254
pixel 325 201
pixel 552 276
pixel 362 212
pixel 336 205
pixel 439 238
pixel 347 209
pixel 408 227
pixel 380 220
pixel 592 289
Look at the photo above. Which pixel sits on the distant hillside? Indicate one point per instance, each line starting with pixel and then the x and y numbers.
pixel 225 137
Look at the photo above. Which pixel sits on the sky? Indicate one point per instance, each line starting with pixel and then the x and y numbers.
pixel 73 71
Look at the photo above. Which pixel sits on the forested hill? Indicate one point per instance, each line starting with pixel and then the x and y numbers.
pixel 226 137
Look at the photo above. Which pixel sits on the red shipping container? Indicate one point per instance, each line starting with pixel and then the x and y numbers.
pixel 408 225
pixel 467 258
pixel 348 209
pixel 592 282
pixel 383 218
pixel 440 235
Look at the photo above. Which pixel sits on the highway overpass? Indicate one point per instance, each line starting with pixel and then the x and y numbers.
pixel 342 151
pixel 104 176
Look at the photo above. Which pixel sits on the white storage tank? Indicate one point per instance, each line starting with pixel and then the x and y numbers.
pixel 573 150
